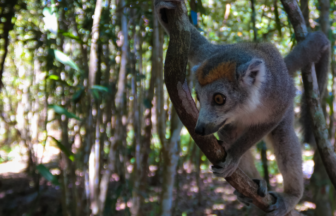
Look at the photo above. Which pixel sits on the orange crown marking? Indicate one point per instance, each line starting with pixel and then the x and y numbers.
pixel 224 70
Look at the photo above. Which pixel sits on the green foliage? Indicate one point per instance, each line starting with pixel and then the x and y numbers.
pixel 100 88
pixel 62 111
pixel 44 171
pixel 71 36
pixel 64 59
pixel 64 149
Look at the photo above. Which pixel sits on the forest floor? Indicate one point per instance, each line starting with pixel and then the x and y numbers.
pixel 18 197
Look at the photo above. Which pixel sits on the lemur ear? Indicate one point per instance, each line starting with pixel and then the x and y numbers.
pixel 251 73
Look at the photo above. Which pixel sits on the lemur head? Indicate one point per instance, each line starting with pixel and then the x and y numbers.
pixel 227 89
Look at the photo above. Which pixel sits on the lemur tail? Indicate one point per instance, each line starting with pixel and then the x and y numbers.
pixel 315 49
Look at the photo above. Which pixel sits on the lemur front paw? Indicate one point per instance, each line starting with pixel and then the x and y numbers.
pixel 226 168
pixel 279 208
pixel 262 191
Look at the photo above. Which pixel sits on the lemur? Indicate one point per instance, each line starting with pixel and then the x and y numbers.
pixel 246 94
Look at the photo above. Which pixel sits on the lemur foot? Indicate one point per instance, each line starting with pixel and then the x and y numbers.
pixel 226 168
pixel 317 41
pixel 279 208
pixel 262 191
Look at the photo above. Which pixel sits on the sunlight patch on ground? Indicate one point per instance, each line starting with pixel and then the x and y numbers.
pixel 55 171
pixel 121 205
pixel 218 207
pixel 220 190
pixel 194 189
pixel 115 177
pixel 229 198
pixel 12 167
pixel 152 199
pixel 305 206
pixel 19 162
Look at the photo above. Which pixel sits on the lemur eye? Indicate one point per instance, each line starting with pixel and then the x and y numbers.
pixel 219 99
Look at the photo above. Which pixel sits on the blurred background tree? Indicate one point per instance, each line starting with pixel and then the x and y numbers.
pixel 86 125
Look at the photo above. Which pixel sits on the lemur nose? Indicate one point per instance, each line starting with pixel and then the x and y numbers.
pixel 200 130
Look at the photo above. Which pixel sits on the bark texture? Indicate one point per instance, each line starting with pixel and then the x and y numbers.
pixel 94 161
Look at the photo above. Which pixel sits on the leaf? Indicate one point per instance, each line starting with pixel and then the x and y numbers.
pixel 53 77
pixel 78 94
pixel 63 111
pixel 70 35
pixel 100 88
pixel 50 21
pixel 64 149
pixel 64 59
pixel 201 8
pixel 95 94
pixel 140 77
pixel 329 99
pixel 44 171
pixel 147 103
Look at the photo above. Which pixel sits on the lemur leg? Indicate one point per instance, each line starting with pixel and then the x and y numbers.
pixel 287 150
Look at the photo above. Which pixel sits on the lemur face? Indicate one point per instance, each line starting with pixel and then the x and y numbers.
pixel 227 93
pixel 217 103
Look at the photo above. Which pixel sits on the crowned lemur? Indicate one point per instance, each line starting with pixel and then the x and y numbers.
pixel 246 94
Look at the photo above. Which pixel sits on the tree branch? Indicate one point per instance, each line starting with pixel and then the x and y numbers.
pixel 175 79
pixel 312 94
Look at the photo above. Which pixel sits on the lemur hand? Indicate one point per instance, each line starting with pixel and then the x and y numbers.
pixel 262 191
pixel 226 168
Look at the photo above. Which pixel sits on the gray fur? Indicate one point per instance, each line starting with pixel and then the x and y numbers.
pixel 315 49
pixel 258 105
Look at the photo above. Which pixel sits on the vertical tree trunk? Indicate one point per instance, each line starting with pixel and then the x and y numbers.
pixel 171 156
pixel 120 130
pixel 7 13
pixel 94 161
pixel 319 180
pixel 140 174
pixel 157 57
pixel 253 20
pixel 123 62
